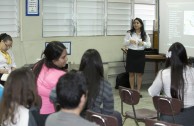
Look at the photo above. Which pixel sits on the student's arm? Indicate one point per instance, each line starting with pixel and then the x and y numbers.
pixel 53 95
pixel 156 86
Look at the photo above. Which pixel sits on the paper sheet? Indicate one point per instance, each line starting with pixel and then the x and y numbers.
pixel 4 77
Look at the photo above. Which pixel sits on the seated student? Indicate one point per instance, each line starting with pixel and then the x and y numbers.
pixel 176 81
pixel 71 92
pixel 47 72
pixel 7 63
pixel 20 94
pixel 100 96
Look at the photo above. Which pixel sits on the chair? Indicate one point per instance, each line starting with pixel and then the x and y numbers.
pixel 167 106
pixel 132 97
pixel 101 119
pixel 151 122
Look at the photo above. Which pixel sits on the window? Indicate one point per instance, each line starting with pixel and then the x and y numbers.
pixel 118 16
pixel 58 18
pixel 9 17
pixel 90 17
pixel 145 9
pixel 95 17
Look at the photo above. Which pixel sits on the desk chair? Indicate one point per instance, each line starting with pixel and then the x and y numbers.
pixel 101 119
pixel 167 106
pixel 132 97
pixel 151 122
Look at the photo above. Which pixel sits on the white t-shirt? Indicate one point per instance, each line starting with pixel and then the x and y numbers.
pixel 21 117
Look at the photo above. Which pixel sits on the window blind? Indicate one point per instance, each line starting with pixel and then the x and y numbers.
pixel 95 17
pixel 58 18
pixel 9 17
pixel 119 15
pixel 145 9
pixel 90 17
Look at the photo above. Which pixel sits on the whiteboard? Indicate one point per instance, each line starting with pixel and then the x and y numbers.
pixel 176 24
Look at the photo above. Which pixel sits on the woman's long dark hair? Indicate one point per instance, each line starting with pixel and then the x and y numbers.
pixel 178 62
pixel 143 33
pixel 52 52
pixel 92 67
pixel 20 89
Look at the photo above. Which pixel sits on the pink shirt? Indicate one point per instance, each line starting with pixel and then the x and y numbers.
pixel 47 80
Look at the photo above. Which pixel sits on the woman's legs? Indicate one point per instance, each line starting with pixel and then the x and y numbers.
pixel 132 80
pixel 139 81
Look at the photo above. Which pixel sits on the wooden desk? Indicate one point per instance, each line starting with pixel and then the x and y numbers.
pixel 152 58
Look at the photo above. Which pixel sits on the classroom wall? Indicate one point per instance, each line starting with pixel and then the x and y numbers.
pixel 29 46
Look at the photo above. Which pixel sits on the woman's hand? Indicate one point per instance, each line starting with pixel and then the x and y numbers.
pixel 4 71
pixel 132 42
pixel 140 43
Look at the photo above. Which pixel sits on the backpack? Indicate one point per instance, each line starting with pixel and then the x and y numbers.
pixel 122 79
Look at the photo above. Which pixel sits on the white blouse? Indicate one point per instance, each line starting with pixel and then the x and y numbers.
pixel 163 82
pixel 137 38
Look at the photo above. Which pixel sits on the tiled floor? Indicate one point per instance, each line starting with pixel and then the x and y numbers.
pixel 145 102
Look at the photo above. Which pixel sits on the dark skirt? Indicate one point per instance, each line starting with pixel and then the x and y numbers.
pixel 135 61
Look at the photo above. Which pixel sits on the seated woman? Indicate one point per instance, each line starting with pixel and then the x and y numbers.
pixel 47 72
pixel 100 96
pixel 20 94
pixel 176 81
pixel 7 63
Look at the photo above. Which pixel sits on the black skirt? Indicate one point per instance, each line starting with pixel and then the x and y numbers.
pixel 135 61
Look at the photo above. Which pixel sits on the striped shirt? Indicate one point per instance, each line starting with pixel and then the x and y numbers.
pixel 104 102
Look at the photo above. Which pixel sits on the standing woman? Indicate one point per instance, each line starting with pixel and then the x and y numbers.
pixel 100 96
pixel 136 40
pixel 47 72
pixel 7 63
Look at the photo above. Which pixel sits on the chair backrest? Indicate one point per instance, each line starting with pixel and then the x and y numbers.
pixel 101 119
pixel 151 122
pixel 129 96
pixel 167 106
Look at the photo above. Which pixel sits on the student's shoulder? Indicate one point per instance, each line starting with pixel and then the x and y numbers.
pixel 86 122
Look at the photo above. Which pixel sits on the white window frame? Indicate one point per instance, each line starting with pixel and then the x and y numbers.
pixel 58 18
pixel 9 17
pixel 119 16
pixel 90 17
pixel 143 9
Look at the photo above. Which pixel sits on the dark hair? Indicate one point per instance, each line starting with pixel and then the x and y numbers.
pixel 20 89
pixel 52 52
pixel 178 61
pixel 70 89
pixel 143 33
pixel 92 67
pixel 5 37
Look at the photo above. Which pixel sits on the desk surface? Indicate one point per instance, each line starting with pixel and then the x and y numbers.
pixel 152 57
